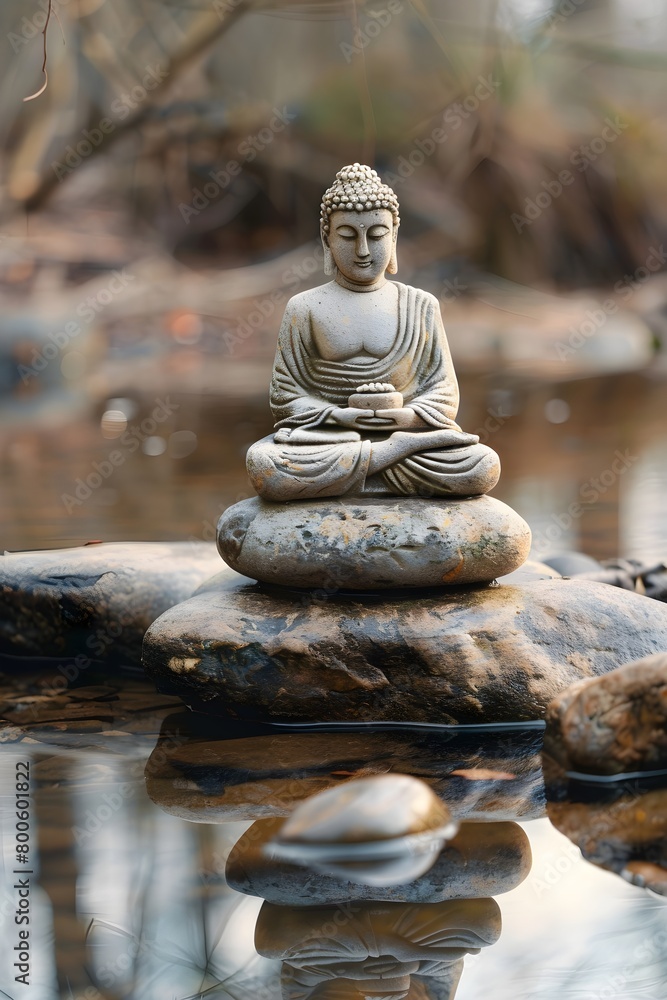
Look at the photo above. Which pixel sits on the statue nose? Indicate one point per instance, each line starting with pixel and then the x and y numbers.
pixel 362 246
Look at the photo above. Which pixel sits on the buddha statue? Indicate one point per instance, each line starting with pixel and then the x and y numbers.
pixel 363 393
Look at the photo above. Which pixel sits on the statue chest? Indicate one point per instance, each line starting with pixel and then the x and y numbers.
pixel 349 334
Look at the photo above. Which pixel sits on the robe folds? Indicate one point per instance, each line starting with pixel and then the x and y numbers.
pixel 310 456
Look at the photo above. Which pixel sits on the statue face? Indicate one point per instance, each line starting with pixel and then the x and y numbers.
pixel 361 243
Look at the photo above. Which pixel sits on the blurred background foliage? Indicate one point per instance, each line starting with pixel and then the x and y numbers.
pixel 161 197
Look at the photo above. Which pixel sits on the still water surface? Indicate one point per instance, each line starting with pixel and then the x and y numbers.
pixel 147 878
pixel 585 461
pixel 129 891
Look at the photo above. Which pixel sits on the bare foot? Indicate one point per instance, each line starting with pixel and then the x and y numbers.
pixel 441 438
pixel 402 444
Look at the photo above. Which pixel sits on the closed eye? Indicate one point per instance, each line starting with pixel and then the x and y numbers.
pixel 377 232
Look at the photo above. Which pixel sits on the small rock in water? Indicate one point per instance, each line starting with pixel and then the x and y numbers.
pixel 655 582
pixel 646 875
pixel 571 563
pixel 599 729
pixel 649 579
pixel 613 724
pixel 383 830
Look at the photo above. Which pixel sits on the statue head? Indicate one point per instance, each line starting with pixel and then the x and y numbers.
pixel 359 224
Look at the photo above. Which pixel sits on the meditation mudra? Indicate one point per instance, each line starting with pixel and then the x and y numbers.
pixel 363 392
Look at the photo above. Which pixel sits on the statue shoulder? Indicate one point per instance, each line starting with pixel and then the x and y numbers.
pixel 301 305
pixel 420 294
pixel 298 305
pixel 313 303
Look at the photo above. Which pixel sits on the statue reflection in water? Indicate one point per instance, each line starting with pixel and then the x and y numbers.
pixel 379 951
pixel 346 909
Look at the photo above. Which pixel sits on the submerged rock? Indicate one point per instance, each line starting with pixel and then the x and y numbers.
pixel 612 724
pixel 472 655
pixel 373 543
pixel 95 601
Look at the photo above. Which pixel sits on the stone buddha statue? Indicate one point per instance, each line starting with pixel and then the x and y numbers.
pixel 363 392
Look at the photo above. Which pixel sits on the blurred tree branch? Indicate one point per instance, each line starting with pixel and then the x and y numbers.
pixel 203 34
pixel 41 90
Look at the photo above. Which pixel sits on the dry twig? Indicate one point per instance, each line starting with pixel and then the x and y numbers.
pixel 50 10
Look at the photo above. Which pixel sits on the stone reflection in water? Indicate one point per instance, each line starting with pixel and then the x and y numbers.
pixel 198 776
pixel 380 831
pixel 483 859
pixel 346 936
pixel 620 827
pixel 375 949
pixel 363 946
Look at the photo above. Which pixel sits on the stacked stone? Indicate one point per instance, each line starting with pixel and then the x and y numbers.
pixel 385 609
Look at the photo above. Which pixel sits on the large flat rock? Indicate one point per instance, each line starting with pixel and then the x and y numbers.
pixel 95 601
pixel 486 654
pixel 373 543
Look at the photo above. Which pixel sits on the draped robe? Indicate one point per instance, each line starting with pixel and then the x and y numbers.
pixel 310 456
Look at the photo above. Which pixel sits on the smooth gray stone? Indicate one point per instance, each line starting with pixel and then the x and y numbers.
pixel 571 563
pixel 475 655
pixel 373 543
pixel 531 571
pixel 95 601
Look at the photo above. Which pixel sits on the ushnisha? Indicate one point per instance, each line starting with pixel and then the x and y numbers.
pixel 340 341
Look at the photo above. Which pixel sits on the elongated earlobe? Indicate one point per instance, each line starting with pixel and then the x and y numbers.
pixel 392 266
pixel 329 267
